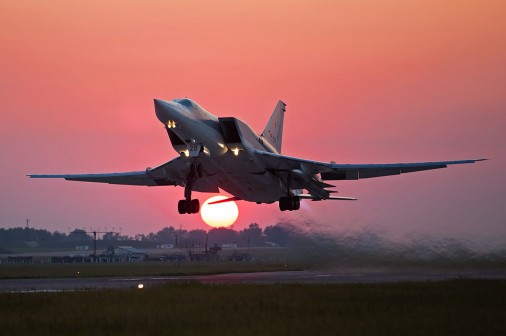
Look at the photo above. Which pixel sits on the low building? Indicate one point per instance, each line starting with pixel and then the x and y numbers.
pixel 165 246
pixel 19 260
pixel 129 253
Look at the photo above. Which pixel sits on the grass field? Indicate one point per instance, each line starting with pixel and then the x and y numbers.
pixel 457 307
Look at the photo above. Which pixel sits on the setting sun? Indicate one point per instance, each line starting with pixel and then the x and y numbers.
pixel 221 214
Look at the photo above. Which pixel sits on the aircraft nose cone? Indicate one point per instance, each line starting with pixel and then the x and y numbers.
pixel 166 111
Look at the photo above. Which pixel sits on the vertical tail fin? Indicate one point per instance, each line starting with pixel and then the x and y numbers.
pixel 273 132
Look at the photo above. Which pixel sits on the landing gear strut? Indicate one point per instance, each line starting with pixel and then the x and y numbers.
pixel 189 205
pixel 289 203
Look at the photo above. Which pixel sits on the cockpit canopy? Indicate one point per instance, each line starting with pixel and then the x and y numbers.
pixel 186 102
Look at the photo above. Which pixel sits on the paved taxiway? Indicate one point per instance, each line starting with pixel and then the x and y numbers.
pixel 307 277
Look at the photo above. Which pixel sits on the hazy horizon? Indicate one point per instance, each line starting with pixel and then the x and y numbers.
pixel 363 83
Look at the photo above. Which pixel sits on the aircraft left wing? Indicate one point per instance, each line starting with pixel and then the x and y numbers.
pixel 167 174
pixel 334 171
pixel 170 173
pixel 141 178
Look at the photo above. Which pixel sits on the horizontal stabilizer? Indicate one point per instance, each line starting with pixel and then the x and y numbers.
pixel 230 199
pixel 322 184
pixel 335 198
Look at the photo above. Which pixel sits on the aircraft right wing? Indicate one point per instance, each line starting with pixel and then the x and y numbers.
pixel 334 171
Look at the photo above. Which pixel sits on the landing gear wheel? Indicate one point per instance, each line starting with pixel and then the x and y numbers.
pixel 282 204
pixel 181 206
pixel 295 203
pixel 195 206
pixel 188 206
pixel 289 203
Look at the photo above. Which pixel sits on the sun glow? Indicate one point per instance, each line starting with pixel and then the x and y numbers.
pixel 221 214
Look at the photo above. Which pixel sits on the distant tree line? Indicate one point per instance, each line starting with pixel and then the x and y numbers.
pixel 357 248
pixel 253 235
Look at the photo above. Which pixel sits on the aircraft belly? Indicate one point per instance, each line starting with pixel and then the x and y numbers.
pixel 243 179
pixel 252 190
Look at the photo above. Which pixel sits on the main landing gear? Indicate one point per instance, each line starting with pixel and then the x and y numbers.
pixel 289 203
pixel 189 205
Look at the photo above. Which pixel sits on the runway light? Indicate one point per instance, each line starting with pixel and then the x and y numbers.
pixel 235 151
pixel 140 286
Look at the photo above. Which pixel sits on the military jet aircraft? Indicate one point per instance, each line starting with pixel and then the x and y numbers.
pixel 225 153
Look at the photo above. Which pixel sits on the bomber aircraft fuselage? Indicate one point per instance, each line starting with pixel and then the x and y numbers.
pixel 225 153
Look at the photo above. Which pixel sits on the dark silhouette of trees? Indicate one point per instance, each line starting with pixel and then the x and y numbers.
pixel 277 234
pixel 166 234
pixel 26 234
pixel 252 236
pixel 199 235
pixel 79 234
pixel 221 236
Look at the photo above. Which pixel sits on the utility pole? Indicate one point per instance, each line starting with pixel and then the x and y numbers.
pixel 27 223
pixel 94 245
pixel 95 232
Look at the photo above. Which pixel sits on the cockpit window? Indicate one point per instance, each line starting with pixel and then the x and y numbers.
pixel 185 102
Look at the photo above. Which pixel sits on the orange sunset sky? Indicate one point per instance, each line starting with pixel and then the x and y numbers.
pixel 364 82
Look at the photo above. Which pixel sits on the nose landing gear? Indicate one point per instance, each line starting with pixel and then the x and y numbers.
pixel 189 205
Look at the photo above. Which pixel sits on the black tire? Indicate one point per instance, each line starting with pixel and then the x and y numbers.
pixel 195 206
pixel 289 203
pixel 296 203
pixel 181 207
pixel 283 204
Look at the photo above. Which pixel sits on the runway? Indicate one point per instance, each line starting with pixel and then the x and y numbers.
pixel 304 277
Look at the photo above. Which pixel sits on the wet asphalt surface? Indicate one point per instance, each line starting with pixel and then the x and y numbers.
pixel 302 277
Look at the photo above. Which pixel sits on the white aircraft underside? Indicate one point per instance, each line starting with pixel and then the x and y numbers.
pixel 225 153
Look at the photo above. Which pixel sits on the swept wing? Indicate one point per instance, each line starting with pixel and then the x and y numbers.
pixel 334 171
pixel 170 173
